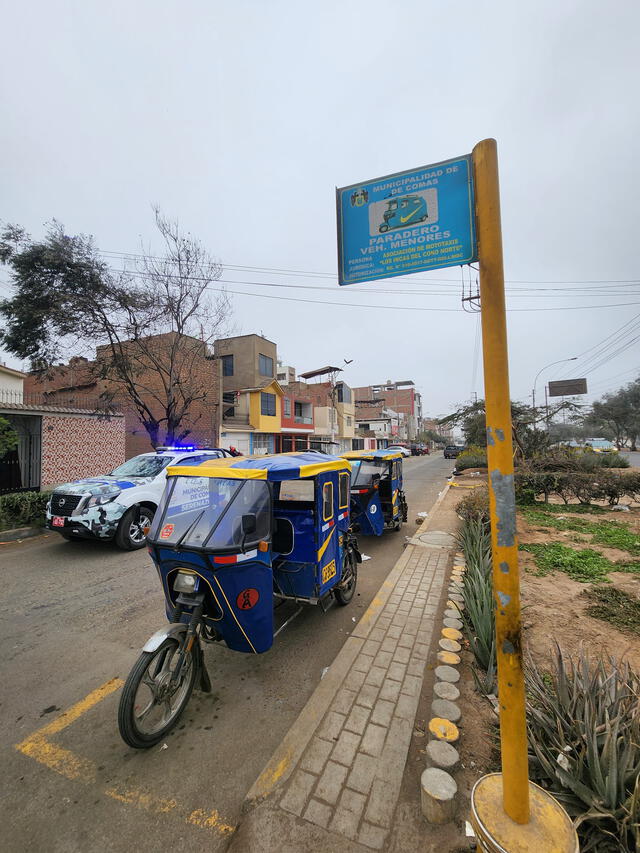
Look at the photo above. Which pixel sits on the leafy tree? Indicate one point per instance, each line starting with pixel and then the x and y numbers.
pixel 528 438
pixel 8 437
pixel 68 301
pixel 618 415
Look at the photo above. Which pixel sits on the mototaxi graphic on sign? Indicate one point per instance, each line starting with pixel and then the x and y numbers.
pixel 408 222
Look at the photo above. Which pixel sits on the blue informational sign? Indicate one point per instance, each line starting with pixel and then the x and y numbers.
pixel 407 222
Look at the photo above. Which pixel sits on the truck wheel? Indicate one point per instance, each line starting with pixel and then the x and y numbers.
pixel 130 534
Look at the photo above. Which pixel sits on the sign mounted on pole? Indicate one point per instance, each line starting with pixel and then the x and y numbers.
pixel 409 222
pixel 567 387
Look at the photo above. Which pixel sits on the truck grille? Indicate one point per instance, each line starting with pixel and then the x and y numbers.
pixel 64 504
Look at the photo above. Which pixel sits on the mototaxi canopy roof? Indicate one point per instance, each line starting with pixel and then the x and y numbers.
pixel 281 466
pixel 381 455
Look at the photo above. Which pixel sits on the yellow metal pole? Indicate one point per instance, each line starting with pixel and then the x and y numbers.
pixel 506 582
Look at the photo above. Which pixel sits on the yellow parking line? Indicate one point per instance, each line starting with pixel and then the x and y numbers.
pixel 79 769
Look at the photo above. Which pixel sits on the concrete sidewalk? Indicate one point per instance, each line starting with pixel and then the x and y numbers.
pixel 335 780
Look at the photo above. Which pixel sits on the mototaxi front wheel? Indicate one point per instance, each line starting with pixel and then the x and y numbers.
pixel 150 705
pixel 345 593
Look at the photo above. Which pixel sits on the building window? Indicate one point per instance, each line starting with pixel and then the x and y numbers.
pixel 287 407
pixel 267 404
pixel 265 365
pixel 227 365
pixel 364 426
pixel 348 421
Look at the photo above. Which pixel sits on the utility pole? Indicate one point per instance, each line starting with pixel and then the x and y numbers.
pixel 500 803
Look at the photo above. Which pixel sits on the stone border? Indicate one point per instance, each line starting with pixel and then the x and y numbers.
pixel 438 787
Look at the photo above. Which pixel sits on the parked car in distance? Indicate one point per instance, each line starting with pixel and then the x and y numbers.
pixel 453 450
pixel 120 505
pixel 419 450
pixel 399 447
pixel 599 445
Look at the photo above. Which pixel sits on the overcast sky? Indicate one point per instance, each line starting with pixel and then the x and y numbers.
pixel 240 119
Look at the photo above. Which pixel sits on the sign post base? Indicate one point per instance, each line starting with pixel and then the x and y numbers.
pixel 549 829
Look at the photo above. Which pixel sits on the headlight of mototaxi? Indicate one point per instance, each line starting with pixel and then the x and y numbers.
pixel 186 582
pixel 103 497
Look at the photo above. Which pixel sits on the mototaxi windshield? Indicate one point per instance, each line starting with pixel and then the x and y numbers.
pixel 206 513
pixel 363 472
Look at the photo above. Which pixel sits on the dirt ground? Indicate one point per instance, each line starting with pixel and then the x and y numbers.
pixel 554 606
pixel 553 609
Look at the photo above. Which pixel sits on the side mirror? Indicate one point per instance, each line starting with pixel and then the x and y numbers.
pixel 249 524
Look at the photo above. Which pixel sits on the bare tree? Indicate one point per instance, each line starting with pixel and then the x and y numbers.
pixel 152 325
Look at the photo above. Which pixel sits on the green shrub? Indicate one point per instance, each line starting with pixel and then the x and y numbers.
pixel 574 459
pixel 472 457
pixel 577 485
pixel 584 740
pixel 475 505
pixel 23 509
pixel 479 607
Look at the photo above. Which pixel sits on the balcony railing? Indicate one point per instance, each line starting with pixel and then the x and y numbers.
pixel 235 420
pixel 302 419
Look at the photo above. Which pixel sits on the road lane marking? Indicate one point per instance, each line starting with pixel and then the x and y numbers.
pixel 79 769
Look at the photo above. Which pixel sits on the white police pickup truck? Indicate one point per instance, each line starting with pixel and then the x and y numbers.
pixel 120 505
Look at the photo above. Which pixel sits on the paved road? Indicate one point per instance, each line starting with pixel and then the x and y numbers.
pixel 73 618
pixel 633 456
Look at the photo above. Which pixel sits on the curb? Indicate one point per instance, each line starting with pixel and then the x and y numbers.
pixel 438 788
pixel 19 533
pixel 287 754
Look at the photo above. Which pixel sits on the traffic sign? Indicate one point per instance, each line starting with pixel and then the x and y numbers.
pixel 408 222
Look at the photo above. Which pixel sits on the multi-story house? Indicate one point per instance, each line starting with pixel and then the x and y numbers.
pixel 334 410
pixel 401 397
pixel 379 424
pixel 252 398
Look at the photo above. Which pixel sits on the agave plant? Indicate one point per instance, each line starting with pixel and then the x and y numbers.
pixel 584 739
pixel 479 608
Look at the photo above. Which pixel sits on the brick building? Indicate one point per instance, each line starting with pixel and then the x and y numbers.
pixel 400 397
pixel 196 375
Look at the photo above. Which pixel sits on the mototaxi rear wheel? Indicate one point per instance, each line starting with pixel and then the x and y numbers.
pixel 345 593
pixel 150 706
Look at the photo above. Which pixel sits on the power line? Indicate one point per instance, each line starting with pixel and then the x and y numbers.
pixel 286 271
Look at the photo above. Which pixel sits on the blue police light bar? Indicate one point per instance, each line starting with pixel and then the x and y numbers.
pixel 177 447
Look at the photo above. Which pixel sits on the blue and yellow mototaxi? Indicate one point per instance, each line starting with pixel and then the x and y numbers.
pixel 377 497
pixel 229 538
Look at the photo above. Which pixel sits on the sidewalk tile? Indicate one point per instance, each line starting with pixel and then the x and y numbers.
pixel 402 654
pixel 390 690
pixel 299 789
pixel 372 836
pixel 318 813
pixel 357 719
pixel 411 685
pixel 368 695
pixel 361 777
pixel 345 749
pixel 382 801
pixel 406 707
pixel 383 659
pixel 373 740
pixel 362 663
pixel 331 726
pixel 376 676
pixel 343 701
pixel 394 631
pixel 370 648
pixel 396 671
pixel 383 711
pixel 316 755
pixel 331 782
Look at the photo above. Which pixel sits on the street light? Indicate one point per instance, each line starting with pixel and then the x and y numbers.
pixel 546 367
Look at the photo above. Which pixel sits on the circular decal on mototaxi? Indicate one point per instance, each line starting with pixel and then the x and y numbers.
pixel 247 599
pixel 373 509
